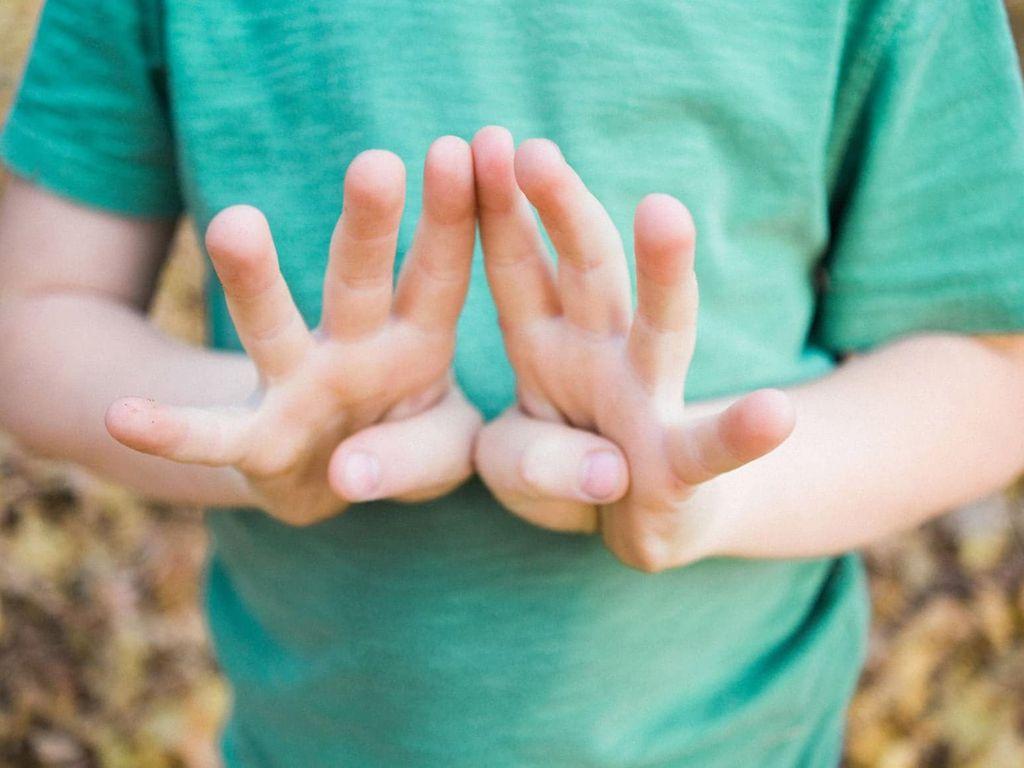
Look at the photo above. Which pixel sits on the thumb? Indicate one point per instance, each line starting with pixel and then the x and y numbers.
pixel 412 459
pixel 748 429
pixel 549 473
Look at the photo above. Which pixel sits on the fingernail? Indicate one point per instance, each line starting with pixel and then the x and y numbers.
pixel 361 475
pixel 599 476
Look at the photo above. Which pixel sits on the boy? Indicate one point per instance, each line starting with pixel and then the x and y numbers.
pixel 879 141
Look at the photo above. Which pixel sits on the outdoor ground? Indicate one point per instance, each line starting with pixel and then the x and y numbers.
pixel 104 659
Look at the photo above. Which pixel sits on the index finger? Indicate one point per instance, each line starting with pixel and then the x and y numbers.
pixel 269 325
pixel 519 270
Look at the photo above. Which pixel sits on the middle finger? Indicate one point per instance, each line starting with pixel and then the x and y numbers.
pixel 359 278
pixel 592 275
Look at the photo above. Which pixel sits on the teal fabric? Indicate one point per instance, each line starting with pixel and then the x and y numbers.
pixel 855 172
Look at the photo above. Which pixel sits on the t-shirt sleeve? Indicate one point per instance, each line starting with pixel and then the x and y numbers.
pixel 928 202
pixel 90 120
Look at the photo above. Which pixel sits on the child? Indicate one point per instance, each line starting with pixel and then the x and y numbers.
pixel 880 142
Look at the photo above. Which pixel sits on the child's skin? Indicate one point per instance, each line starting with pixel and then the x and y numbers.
pixel 260 431
pixel 887 440
pixel 339 415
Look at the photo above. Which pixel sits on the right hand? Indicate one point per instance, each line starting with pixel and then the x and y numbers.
pixel 600 438
pixel 363 407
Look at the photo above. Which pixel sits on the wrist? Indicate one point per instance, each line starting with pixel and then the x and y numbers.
pixel 720 506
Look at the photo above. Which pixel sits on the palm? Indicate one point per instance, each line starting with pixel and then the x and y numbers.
pixel 591 384
pixel 318 388
pixel 286 441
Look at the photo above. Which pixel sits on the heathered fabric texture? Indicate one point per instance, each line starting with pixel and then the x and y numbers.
pixel 877 142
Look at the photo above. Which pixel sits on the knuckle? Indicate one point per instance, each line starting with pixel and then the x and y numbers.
pixel 267 465
pixel 691 467
pixel 440 269
pixel 646 556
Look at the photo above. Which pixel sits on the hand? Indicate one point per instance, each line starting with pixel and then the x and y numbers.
pixel 363 407
pixel 599 437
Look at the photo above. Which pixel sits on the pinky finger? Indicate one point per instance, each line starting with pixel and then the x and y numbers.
pixel 550 474
pixel 411 459
pixel 182 434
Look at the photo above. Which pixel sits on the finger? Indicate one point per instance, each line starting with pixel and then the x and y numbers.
pixel 663 334
pixel 187 435
pixel 435 275
pixel 519 270
pixel 408 459
pixel 593 278
pixel 360 270
pixel 268 323
pixel 549 473
pixel 746 430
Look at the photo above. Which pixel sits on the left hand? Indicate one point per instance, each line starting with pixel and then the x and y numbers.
pixel 600 438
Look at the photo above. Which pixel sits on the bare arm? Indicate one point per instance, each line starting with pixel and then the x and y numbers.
pixel 889 440
pixel 74 336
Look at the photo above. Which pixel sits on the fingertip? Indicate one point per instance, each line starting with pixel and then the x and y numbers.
pixel 664 218
pixel 139 423
pixel 237 239
pixel 538 165
pixel 664 236
pixel 603 476
pixel 539 150
pixel 234 221
pixel 355 473
pixel 449 150
pixel 493 151
pixel 448 192
pixel 120 415
pixel 406 456
pixel 378 163
pixel 762 421
pixel 567 465
pixel 493 136
pixel 776 414
pixel 375 180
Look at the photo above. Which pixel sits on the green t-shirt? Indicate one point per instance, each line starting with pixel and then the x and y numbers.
pixel 856 172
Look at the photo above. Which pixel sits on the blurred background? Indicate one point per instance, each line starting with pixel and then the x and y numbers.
pixel 104 658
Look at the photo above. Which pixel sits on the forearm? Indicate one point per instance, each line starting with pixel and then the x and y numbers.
pixel 66 356
pixel 884 443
